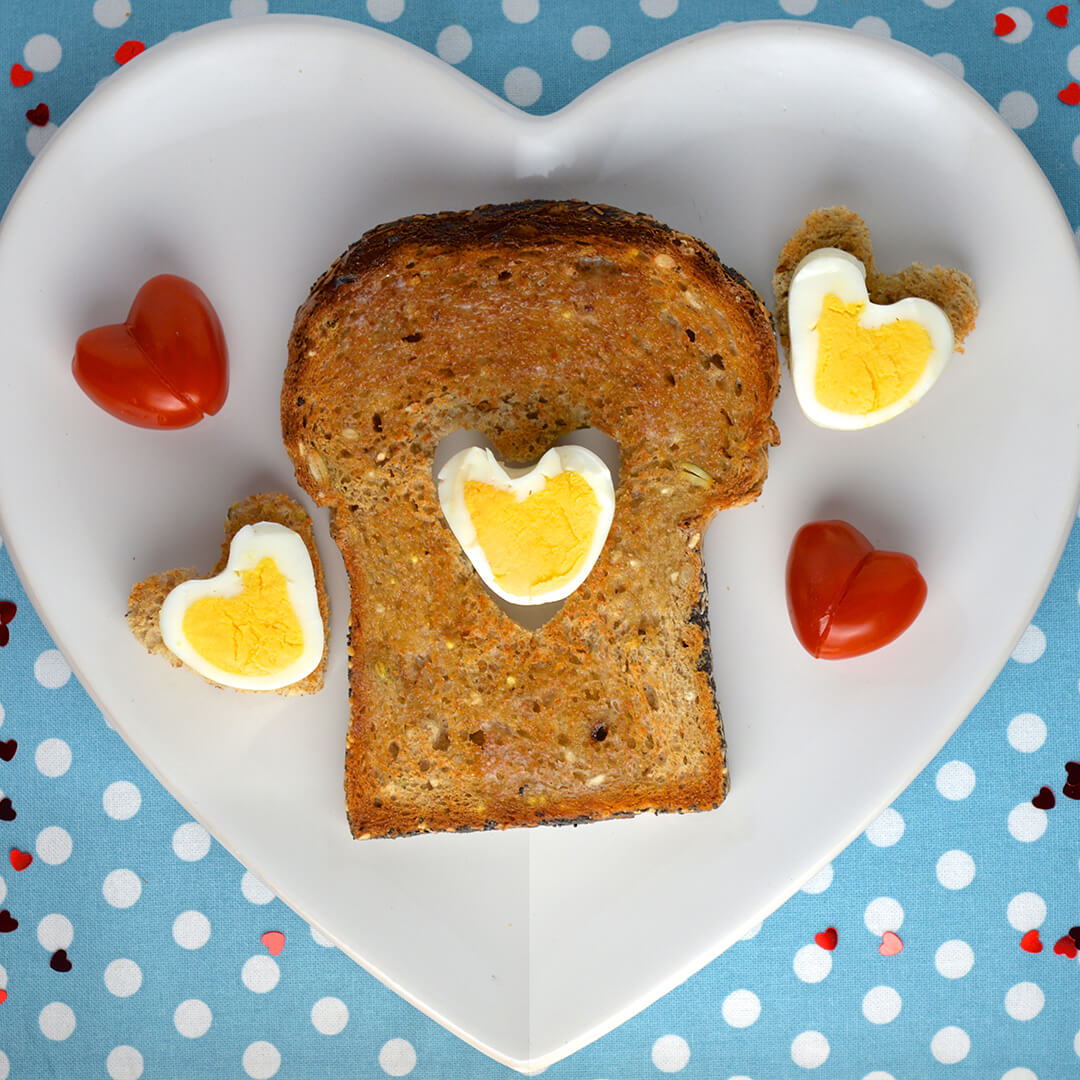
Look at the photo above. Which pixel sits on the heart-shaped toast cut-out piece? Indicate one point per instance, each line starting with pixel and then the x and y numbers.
pixel 827 939
pixel 165 366
pixel 845 597
pixel 891 945
pixel 1030 942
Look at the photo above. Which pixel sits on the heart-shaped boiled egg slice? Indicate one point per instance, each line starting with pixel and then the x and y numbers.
pixel 855 363
pixel 532 534
pixel 257 624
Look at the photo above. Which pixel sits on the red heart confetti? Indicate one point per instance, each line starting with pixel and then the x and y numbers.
pixel 1003 24
pixel 890 944
pixel 274 940
pixel 19 75
pixel 20 860
pixel 1065 946
pixel 1030 942
pixel 7 749
pixel 7 811
pixel 827 938
pixel 38 115
pixel 128 51
pixel 59 961
pixel 3 996
pixel 1071 94
pixel 7 613
pixel 1059 14
pixel 7 922
pixel 1044 800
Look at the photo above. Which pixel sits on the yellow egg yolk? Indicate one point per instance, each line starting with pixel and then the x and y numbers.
pixel 861 369
pixel 255 632
pixel 537 543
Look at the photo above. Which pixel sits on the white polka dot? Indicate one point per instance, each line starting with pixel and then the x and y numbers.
pixel 1027 732
pixel 124 1063
pixel 254 889
pixel 954 959
pixel 42 52
pixel 521 11
pixel 50 668
pixel 123 977
pixel 191 842
pixel 883 914
pixel 658 9
pixel 591 42
pixel 261 1060
pixel 873 25
pixel 3 977
pixel 812 963
pixel 1023 25
pixel 1026 911
pixel 398 1058
pixel 192 1018
pixel 53 845
pixel 881 1005
pixel 329 1015
pixel 385 10
pixel 3 890
pixel 1076 149
pixel 56 1021
pixel 121 888
pixel 55 932
pixel 741 1008
pixel 260 974
pixel 5 1066
pixel 1019 1074
pixel 955 870
pixel 670 1053
pixel 1018 109
pixel 454 44
pixel 886 829
pixel 950 62
pixel 36 140
pixel 798 7
pixel 1024 1001
pixel 752 932
pixel 1 709
pixel 1031 646
pixel 955 780
pixel 240 9
pixel 877 1074
pixel 121 800
pixel 523 86
pixel 820 881
pixel 111 13
pixel 317 936
pixel 191 930
pixel 810 1049
pixel 1027 823
pixel 938 3
pixel 950 1045
pixel 1076 1044
pixel 53 758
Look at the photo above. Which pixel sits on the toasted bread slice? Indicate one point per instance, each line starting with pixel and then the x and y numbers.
pixel 146 598
pixel 524 323
pixel 837 226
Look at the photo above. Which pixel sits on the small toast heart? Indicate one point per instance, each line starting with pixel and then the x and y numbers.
pixel 890 944
pixel 1030 942
pixel 274 940
pixel 1044 800
pixel 1059 15
pixel 20 860
pixel 1003 24
pixel 827 938
pixel 1065 946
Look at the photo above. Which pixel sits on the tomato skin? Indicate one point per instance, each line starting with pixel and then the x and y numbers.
pixel 166 366
pixel 846 598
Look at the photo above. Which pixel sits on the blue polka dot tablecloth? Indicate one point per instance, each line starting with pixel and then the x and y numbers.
pixel 941 943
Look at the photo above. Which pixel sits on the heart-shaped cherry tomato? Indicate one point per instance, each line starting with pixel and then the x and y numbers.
pixel 166 366
pixel 845 597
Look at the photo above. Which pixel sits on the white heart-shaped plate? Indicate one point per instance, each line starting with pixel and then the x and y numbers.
pixel 246 156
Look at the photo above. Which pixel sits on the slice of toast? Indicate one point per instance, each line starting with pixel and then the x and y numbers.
pixel 524 323
pixel 146 598
pixel 837 226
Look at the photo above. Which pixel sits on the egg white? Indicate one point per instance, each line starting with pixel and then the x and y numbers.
pixel 250 545
pixel 480 464
pixel 830 270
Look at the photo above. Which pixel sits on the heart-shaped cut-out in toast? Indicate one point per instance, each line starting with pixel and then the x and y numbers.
pixel 165 366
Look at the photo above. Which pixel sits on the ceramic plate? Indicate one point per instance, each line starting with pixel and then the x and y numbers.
pixel 246 156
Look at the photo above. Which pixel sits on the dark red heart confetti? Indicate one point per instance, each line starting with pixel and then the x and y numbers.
pixel 59 961
pixel 19 75
pixel 20 860
pixel 1071 791
pixel 827 938
pixel 1030 942
pixel 7 610
pixel 1070 95
pixel 7 922
pixel 1044 800
pixel 128 51
pixel 1072 770
pixel 5 635
pixel 1074 933
pixel 1059 14
pixel 38 115
pixel 1003 24
pixel 7 749
pixel 7 811
pixel 1065 946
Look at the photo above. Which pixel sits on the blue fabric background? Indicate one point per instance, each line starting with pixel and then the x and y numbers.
pixel 962 854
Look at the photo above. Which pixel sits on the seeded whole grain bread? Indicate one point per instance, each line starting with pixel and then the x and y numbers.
pixel 524 323
pixel 147 596
pixel 837 226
